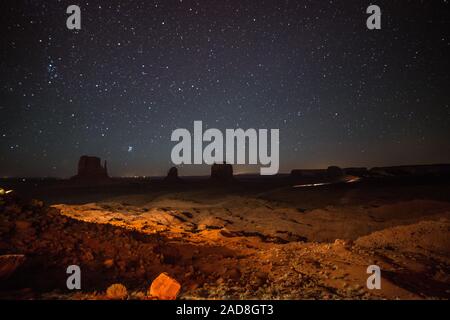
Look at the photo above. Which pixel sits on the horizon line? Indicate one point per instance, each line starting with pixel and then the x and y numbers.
pixel 234 174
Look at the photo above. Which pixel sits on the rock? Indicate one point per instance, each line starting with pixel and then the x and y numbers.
pixel 117 291
pixel 108 263
pixel 307 173
pixel 9 263
pixel 139 295
pixel 187 214
pixel 164 287
pixel 90 168
pixel 222 172
pixel 172 175
pixel 334 172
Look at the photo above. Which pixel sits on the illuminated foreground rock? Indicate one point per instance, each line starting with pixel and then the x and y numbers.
pixel 164 287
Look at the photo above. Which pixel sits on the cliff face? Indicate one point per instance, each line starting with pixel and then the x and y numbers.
pixel 90 168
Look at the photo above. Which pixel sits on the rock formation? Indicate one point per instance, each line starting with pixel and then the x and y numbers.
pixel 90 168
pixel 334 172
pixel 172 175
pixel 308 173
pixel 357 171
pixel 417 170
pixel 222 172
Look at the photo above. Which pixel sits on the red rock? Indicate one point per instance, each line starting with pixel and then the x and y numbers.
pixel 164 287
pixel 109 263
pixel 117 291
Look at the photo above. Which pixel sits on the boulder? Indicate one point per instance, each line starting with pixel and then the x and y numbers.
pixel 117 291
pixel 164 287
pixel 108 263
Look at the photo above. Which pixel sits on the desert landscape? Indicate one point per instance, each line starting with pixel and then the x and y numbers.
pixel 255 156
pixel 310 234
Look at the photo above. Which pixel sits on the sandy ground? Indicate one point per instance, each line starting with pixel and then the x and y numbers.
pixel 275 244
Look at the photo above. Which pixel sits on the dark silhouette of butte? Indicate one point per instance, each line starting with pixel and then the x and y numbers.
pixel 222 172
pixel 334 173
pixel 331 173
pixel 90 169
pixel 172 175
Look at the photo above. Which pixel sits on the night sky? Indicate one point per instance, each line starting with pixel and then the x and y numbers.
pixel 137 70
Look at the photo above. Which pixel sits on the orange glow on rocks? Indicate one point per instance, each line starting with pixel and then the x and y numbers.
pixel 164 287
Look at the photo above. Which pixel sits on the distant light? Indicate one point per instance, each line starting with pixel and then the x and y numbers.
pixel 311 185
pixel 352 180
pixel 3 191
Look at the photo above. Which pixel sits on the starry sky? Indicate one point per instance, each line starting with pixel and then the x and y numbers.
pixel 137 70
